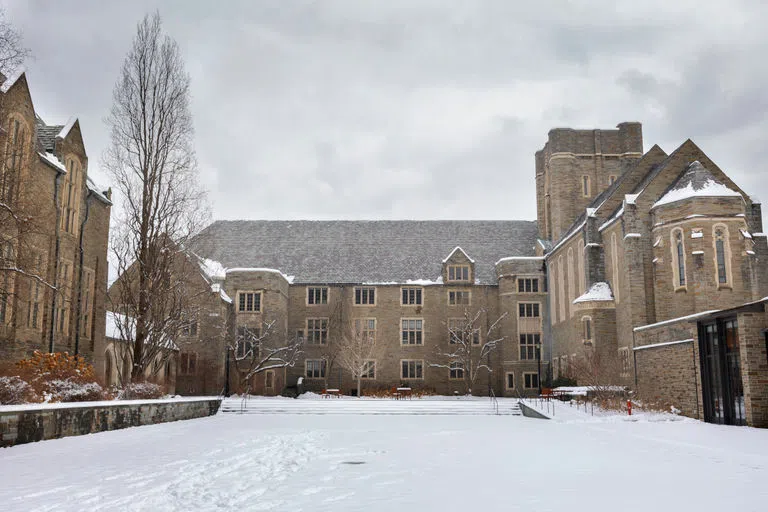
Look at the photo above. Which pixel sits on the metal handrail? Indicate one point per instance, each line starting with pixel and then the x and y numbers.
pixel 494 402
pixel 244 401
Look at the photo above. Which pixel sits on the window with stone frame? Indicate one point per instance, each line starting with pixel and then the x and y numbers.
pixel 269 379
pixel 188 363
pixel 571 280
pixel 64 297
pixel 678 257
pixel 458 272
pixel 527 285
pixel 317 331
pixel 70 196
pixel 456 370
pixel 317 295
pixel 530 346
pixel 247 346
pixel 189 326
pixel 611 179
pixel 582 285
pixel 412 331
pixel 315 368
pixel 586 189
pixel 249 302
pixel 528 309
pixel 365 296
pixel 586 322
pixel 510 380
pixel 10 173
pixel 722 254
pixel 369 370
pixel 87 302
pixel 8 281
pixel 412 296
pixel 615 268
pixel 625 362
pixel 412 369
pixel 458 331
pixel 365 328
pixel 459 298
pixel 530 380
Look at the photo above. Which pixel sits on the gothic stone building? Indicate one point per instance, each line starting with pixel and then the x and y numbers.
pixel 54 227
pixel 657 268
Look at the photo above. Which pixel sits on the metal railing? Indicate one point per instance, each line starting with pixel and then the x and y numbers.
pixel 494 403
pixel 244 401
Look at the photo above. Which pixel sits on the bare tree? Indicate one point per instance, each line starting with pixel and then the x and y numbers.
pixel 469 346
pixel 260 348
pixel 357 349
pixel 13 53
pixel 598 370
pixel 161 206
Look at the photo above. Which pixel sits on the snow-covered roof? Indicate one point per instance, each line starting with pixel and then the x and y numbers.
pixel 520 258
pixel 13 77
pixel 97 191
pixel 457 248
pixel 344 252
pixel 599 291
pixel 65 129
pixel 696 181
pixel 261 269
pixel 213 269
pixel 54 162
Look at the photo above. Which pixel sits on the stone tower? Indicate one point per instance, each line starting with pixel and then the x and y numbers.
pixel 575 166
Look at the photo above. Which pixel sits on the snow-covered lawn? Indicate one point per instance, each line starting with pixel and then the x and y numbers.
pixel 290 462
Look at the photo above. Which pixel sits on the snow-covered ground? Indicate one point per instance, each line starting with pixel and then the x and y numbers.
pixel 315 462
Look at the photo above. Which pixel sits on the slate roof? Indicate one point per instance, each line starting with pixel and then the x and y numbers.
pixel 364 251
pixel 46 135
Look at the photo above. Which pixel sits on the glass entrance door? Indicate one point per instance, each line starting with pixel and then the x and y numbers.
pixel 721 373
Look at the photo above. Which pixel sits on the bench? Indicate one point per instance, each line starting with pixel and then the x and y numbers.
pixel 403 393
pixel 328 393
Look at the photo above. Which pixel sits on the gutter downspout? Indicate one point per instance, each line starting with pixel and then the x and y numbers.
pixel 57 249
pixel 78 322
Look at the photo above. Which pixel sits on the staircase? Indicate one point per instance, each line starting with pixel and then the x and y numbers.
pixel 353 406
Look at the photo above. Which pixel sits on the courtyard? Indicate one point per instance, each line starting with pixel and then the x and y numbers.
pixel 295 457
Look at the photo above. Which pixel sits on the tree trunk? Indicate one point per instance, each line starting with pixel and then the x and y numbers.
pixel 358 387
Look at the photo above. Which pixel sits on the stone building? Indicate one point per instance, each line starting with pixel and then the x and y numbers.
pixel 54 224
pixel 410 283
pixel 643 252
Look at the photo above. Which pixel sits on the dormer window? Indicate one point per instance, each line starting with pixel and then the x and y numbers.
pixel 458 272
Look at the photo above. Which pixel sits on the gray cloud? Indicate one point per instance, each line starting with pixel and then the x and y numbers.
pixel 415 109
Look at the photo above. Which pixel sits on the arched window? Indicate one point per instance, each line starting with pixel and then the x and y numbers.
pixel 11 172
pixel 553 289
pixel 571 280
pixel 678 258
pixel 722 253
pixel 615 266
pixel 108 369
pixel 582 278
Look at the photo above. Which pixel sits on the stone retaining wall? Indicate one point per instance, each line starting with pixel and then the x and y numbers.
pixel 25 424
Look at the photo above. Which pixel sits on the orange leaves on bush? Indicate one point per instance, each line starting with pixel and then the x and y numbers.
pixel 43 366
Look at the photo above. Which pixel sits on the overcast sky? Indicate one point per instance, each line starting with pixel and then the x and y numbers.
pixel 415 109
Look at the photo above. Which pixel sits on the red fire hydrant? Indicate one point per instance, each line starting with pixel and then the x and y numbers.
pixel 629 407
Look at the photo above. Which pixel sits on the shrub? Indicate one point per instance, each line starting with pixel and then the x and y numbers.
pixel 140 391
pixel 563 381
pixel 44 367
pixel 72 391
pixel 15 390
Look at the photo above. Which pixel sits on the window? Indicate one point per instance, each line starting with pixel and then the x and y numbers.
pixel 564 365
pixel 553 293
pixel 458 298
pixel 315 368
pixel 249 302
pixel 412 331
pixel 12 169
pixel 317 331
pixel 317 295
pixel 188 363
pixel 269 379
pixel 62 303
pixel 70 197
pixel 369 370
pixel 678 258
pixel 189 328
pixel 527 285
pixel 366 328
pixel 247 342
pixel 35 299
pixel 458 272
pixel 87 302
pixel 561 287
pixel 571 280
pixel 365 296
pixel 615 266
pixel 459 331
pixel 530 345
pixel 510 380
pixel 412 369
pixel 412 296
pixel 531 380
pixel 582 280
pixel 611 179
pixel 721 254
pixel 456 371
pixel 625 364
pixel 585 189
pixel 528 309
pixel 587 322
